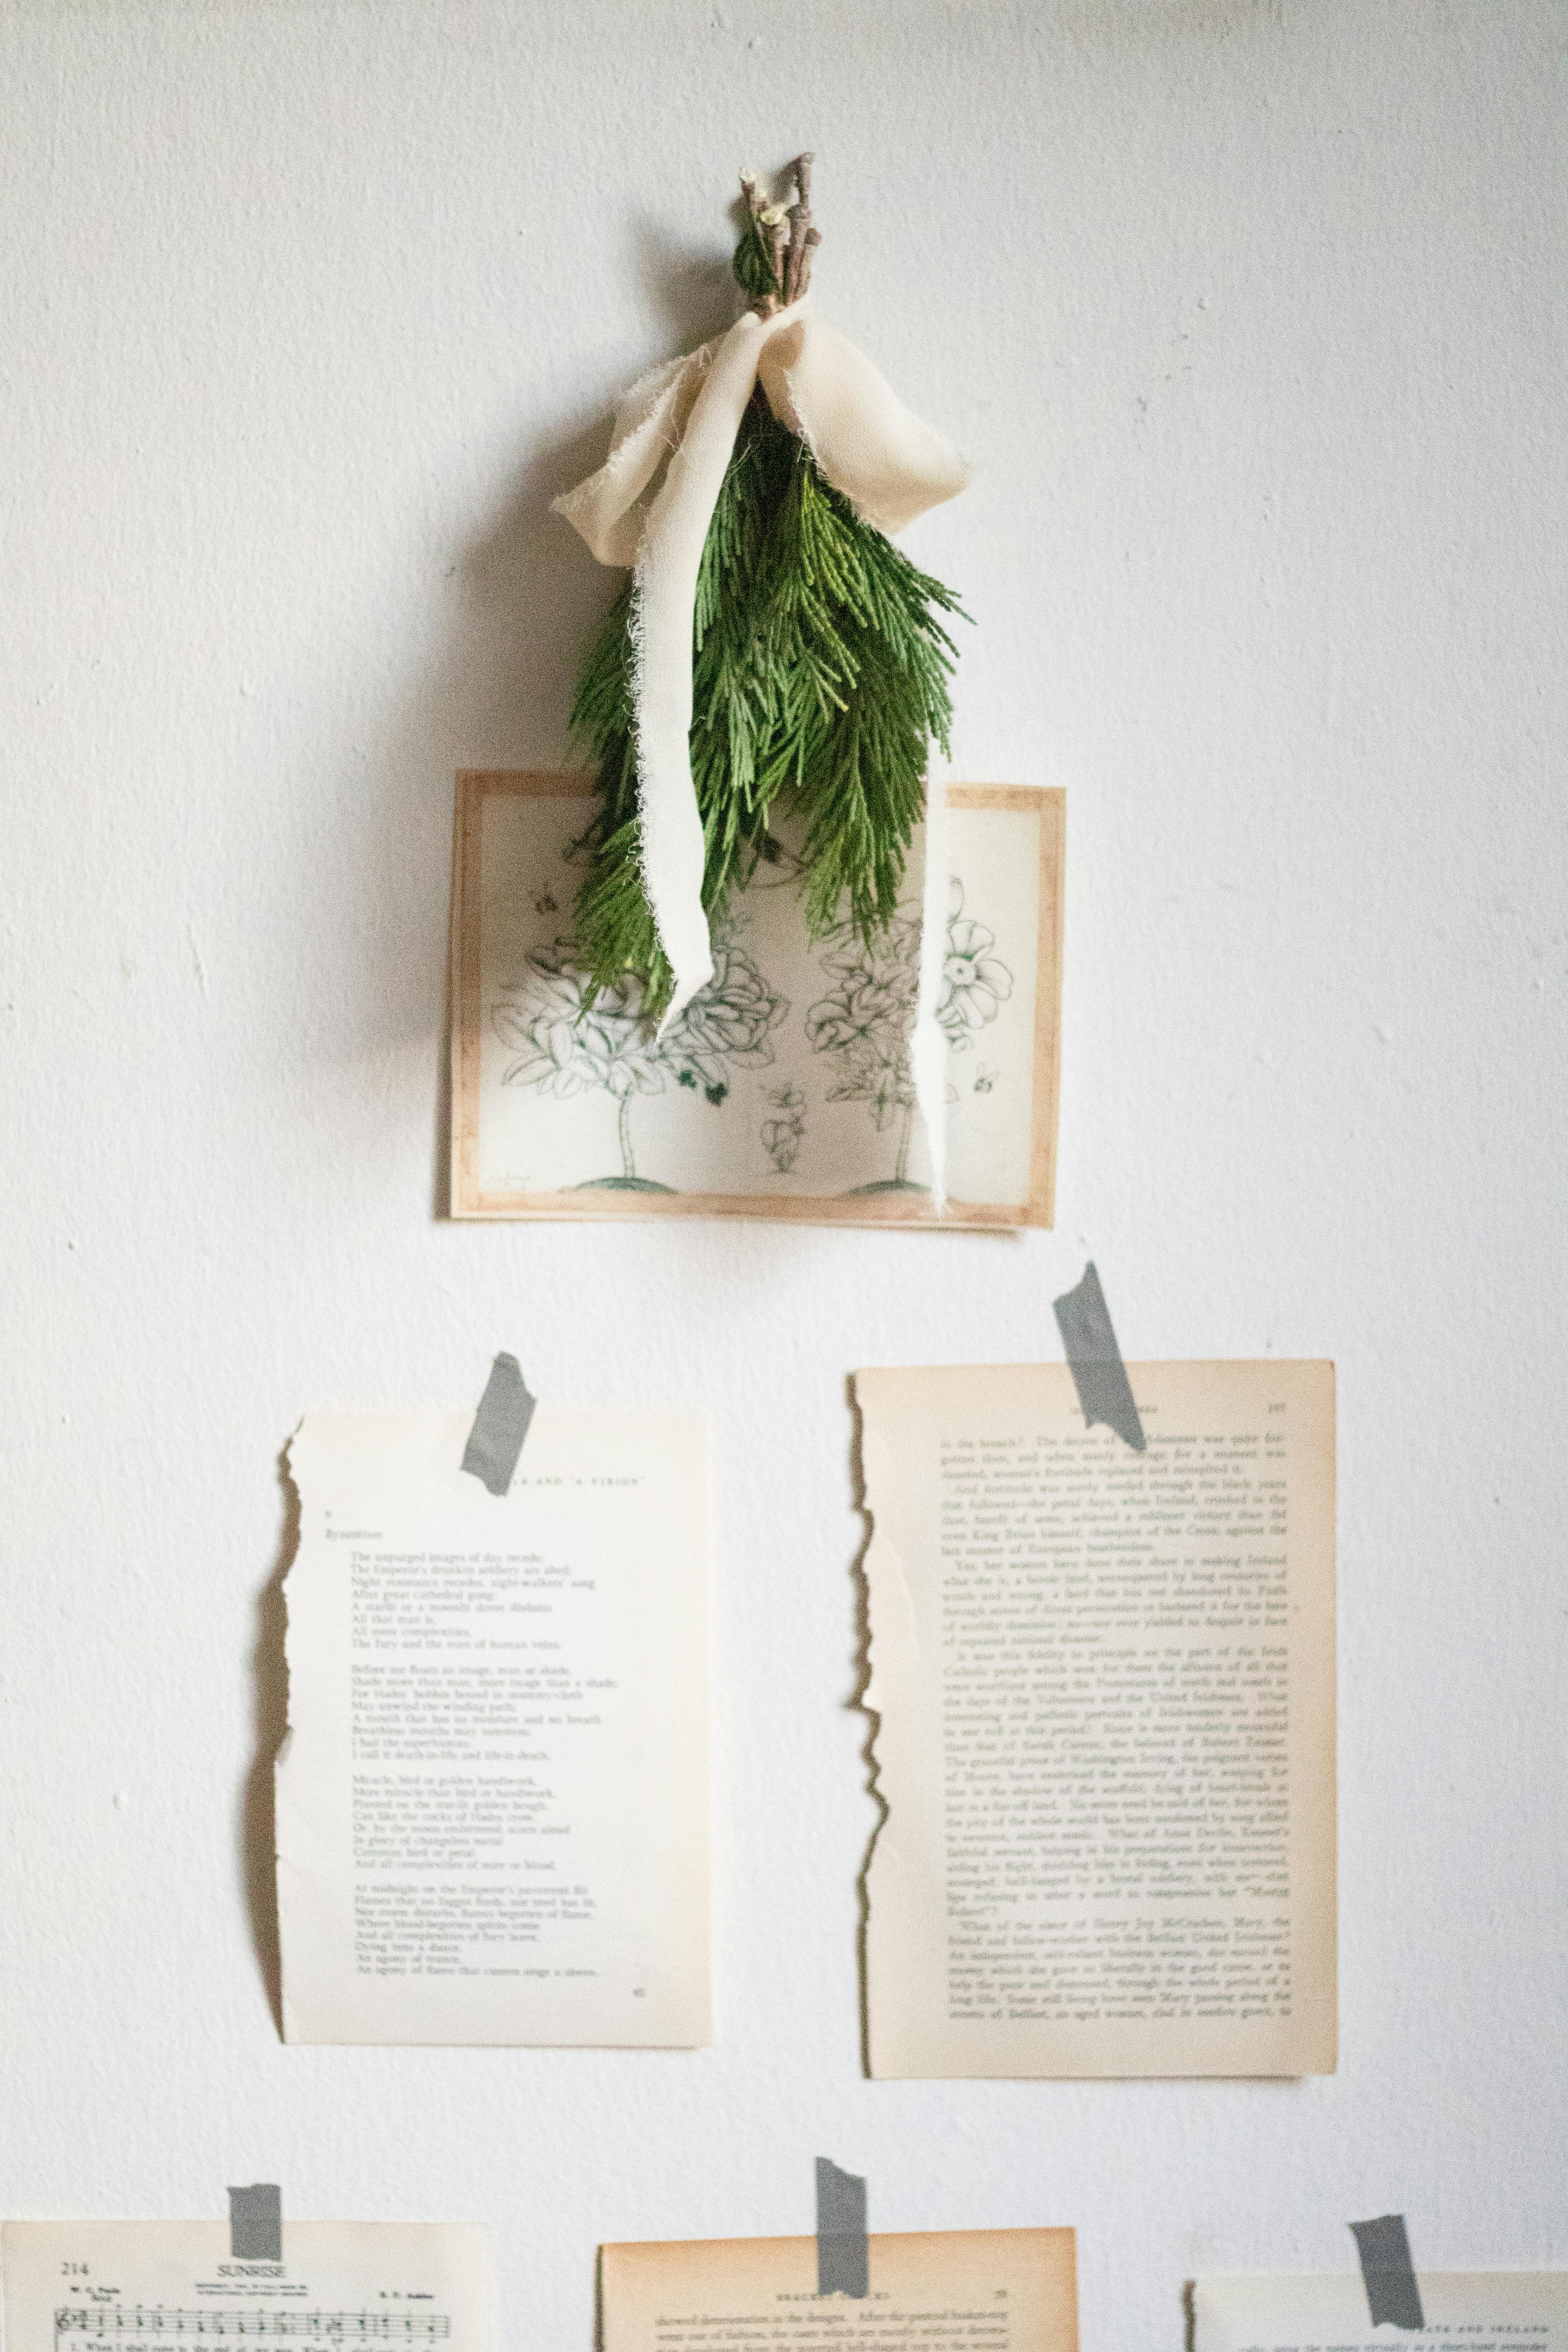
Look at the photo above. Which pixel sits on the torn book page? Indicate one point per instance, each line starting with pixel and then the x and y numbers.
pixel 946 2290
pixel 492 1801
pixel 1488 2311
pixel 159 2286
pixel 1104 1686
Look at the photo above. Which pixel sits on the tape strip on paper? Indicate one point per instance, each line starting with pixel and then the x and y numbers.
pixel 1098 1373
pixel 499 1426
pixel 256 2223
pixel 1392 2293
pixel 843 2257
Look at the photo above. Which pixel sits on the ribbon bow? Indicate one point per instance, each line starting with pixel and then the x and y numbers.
pixel 889 465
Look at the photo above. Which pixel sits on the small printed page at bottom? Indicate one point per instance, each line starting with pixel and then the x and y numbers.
pixel 1485 2310
pixel 985 2290
pixel 163 2284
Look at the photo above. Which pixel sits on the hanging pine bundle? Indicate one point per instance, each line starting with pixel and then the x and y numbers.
pixel 820 667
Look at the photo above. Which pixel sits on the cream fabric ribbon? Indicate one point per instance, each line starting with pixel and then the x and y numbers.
pixel 869 446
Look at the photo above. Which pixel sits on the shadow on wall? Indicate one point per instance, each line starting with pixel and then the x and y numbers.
pixel 519 604
pixel 532 598
pixel 533 593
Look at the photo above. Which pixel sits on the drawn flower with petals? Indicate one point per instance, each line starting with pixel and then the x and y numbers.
pixel 975 982
pixel 730 1020
pixel 571 1038
pixel 866 1019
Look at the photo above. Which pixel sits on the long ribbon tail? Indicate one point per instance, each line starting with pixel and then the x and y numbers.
pixel 928 1041
pixel 867 445
pixel 674 850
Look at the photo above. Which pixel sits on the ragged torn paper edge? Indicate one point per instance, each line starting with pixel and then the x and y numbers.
pixel 495 1441
pixel 284 1767
pixel 928 1045
pixel 904 1419
pixel 863 1700
pixel 269 1726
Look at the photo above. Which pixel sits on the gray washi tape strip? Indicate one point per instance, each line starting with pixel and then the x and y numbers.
pixel 1098 1373
pixel 256 2223
pixel 843 2257
pixel 1392 2293
pixel 499 1426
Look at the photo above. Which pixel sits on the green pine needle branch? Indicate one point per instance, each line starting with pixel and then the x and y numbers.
pixel 820 677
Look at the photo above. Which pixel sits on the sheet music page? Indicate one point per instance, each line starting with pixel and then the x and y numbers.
pixel 985 2290
pixel 104 2286
pixel 1105 1685
pixel 492 1801
pixel 1487 2311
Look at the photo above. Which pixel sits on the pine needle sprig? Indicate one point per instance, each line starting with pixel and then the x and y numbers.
pixel 820 677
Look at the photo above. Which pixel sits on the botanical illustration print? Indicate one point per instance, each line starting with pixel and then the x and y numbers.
pixel 564 1039
pixel 866 1019
pixel 570 1038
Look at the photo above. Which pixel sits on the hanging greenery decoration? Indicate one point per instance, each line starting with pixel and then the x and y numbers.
pixel 820 666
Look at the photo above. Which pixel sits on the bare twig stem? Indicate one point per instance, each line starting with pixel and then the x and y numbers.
pixel 800 232
pixel 788 236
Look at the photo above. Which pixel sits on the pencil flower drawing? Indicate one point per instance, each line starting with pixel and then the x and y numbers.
pixel 866 1019
pixel 784 1133
pixel 573 1037
pixel 974 980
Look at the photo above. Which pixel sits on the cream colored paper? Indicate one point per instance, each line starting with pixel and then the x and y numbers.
pixel 1485 2310
pixel 492 1808
pixel 867 445
pixel 104 2286
pixel 981 2290
pixel 787 1087
pixel 1105 1690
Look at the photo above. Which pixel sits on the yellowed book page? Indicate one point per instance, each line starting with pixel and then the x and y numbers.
pixel 492 1801
pixel 786 1087
pixel 161 2286
pixel 983 2290
pixel 1104 1683
pixel 1487 2311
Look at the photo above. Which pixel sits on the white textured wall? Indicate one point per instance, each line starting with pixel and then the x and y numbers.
pixel 1253 315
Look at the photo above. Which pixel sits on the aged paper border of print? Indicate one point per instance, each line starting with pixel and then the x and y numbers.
pixel 468 1201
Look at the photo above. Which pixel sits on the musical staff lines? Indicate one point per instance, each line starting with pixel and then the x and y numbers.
pixel 153 2324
